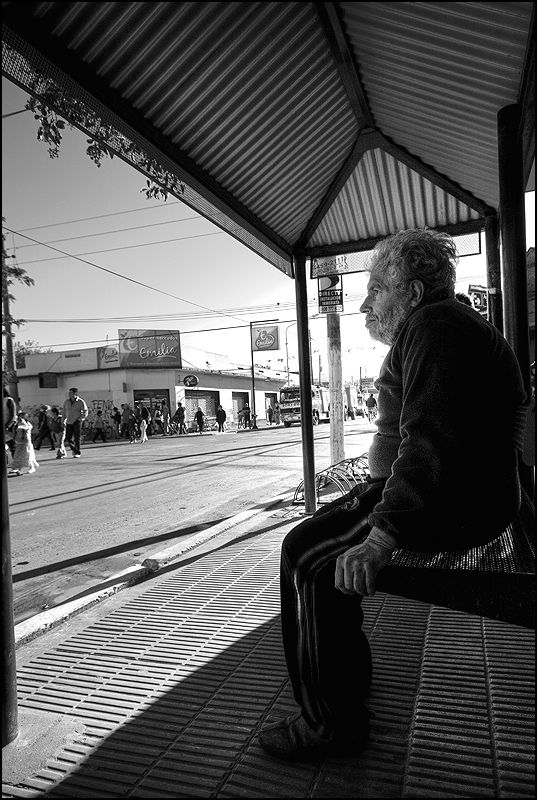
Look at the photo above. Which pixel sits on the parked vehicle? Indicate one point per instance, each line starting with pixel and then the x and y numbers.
pixel 290 404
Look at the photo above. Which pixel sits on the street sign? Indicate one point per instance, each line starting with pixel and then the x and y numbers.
pixel 329 265
pixel 190 380
pixel 330 294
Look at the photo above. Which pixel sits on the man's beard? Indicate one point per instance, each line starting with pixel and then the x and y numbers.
pixel 388 329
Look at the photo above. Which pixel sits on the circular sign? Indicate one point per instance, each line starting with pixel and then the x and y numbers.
pixel 190 380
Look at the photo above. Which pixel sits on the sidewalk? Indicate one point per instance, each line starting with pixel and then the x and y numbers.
pixel 159 692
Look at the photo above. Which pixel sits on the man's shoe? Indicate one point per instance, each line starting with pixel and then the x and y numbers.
pixel 293 740
pixel 76 455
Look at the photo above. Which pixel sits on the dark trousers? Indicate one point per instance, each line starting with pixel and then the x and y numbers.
pixel 98 432
pixel 328 655
pixel 72 436
pixel 44 433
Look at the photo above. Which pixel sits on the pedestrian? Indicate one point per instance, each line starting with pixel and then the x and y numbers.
pixel 277 418
pixel 145 415
pixel 132 427
pixel 24 456
pixel 199 416
pixel 43 428
pixel 165 412
pixel 220 418
pixel 57 429
pixel 10 421
pixel 75 412
pixel 157 420
pixel 143 430
pixel 270 414
pixel 99 427
pixel 438 481
pixel 180 414
pixel 116 420
pixel 246 416
pixel 125 414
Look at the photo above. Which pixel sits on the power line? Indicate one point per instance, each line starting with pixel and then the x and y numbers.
pixel 12 113
pixel 124 277
pixel 189 333
pixel 110 249
pixel 104 233
pixel 100 216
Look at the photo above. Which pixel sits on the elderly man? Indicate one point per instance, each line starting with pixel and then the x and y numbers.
pixel 443 476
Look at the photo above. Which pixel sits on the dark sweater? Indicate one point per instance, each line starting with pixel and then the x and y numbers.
pixel 450 415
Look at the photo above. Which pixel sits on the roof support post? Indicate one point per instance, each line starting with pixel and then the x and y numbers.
pixel 494 278
pixel 304 366
pixel 513 236
pixel 10 728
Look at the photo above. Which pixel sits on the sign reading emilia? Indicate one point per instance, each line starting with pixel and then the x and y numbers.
pixel 149 349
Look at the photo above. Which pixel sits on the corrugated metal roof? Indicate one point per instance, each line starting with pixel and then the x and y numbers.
pixel 383 195
pixel 436 75
pixel 247 90
pixel 246 103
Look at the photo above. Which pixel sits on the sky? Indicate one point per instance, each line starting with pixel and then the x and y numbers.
pixel 101 215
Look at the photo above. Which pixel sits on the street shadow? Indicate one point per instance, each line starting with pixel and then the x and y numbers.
pixel 194 730
pixel 107 487
pixel 112 551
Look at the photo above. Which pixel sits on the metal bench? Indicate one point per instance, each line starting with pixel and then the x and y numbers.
pixel 496 580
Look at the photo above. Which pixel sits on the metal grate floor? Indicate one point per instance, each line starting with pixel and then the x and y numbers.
pixel 172 688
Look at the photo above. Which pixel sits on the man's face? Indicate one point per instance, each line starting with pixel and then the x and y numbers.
pixel 72 395
pixel 386 306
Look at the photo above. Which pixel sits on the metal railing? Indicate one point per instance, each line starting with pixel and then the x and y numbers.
pixel 336 479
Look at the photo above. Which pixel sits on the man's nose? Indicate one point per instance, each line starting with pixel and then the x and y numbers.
pixel 365 306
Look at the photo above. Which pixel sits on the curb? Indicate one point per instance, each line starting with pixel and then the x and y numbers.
pixel 35 626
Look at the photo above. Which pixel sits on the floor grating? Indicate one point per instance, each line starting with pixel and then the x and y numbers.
pixel 173 687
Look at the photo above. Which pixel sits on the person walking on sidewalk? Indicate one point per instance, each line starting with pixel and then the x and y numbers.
pixel 24 458
pixel 57 429
pixel 179 417
pixel 221 417
pixel 75 412
pixel 43 428
pixel 98 427
pixel 199 416
pixel 143 430
pixel 438 482
pixel 10 420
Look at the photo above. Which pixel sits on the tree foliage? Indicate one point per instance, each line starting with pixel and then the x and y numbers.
pixel 48 101
pixel 28 348
pixel 11 273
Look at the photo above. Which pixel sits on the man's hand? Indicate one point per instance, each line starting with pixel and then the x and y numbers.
pixel 358 567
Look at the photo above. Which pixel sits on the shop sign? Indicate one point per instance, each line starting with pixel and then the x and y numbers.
pixel 149 348
pixel 265 337
pixel 107 357
pixel 190 380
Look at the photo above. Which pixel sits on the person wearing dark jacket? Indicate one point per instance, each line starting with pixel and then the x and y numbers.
pixel 199 416
pixel 220 418
pixel 438 481
pixel 43 428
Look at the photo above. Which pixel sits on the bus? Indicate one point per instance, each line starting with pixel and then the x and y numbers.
pixel 290 404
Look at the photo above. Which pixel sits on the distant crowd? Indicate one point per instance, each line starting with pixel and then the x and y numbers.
pixel 65 428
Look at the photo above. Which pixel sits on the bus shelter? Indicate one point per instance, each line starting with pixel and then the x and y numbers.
pixel 308 131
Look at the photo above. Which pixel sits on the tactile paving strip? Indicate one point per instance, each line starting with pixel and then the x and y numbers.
pixel 174 686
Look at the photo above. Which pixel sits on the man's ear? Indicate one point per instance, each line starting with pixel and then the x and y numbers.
pixel 417 290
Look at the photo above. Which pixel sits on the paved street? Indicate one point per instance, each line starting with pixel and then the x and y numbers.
pixel 77 522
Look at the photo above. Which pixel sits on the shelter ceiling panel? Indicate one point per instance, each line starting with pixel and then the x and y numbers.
pixel 436 75
pixel 248 91
pixel 383 196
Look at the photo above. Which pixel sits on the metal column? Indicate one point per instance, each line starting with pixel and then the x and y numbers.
pixel 304 366
pixel 513 238
pixel 9 675
pixel 494 277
